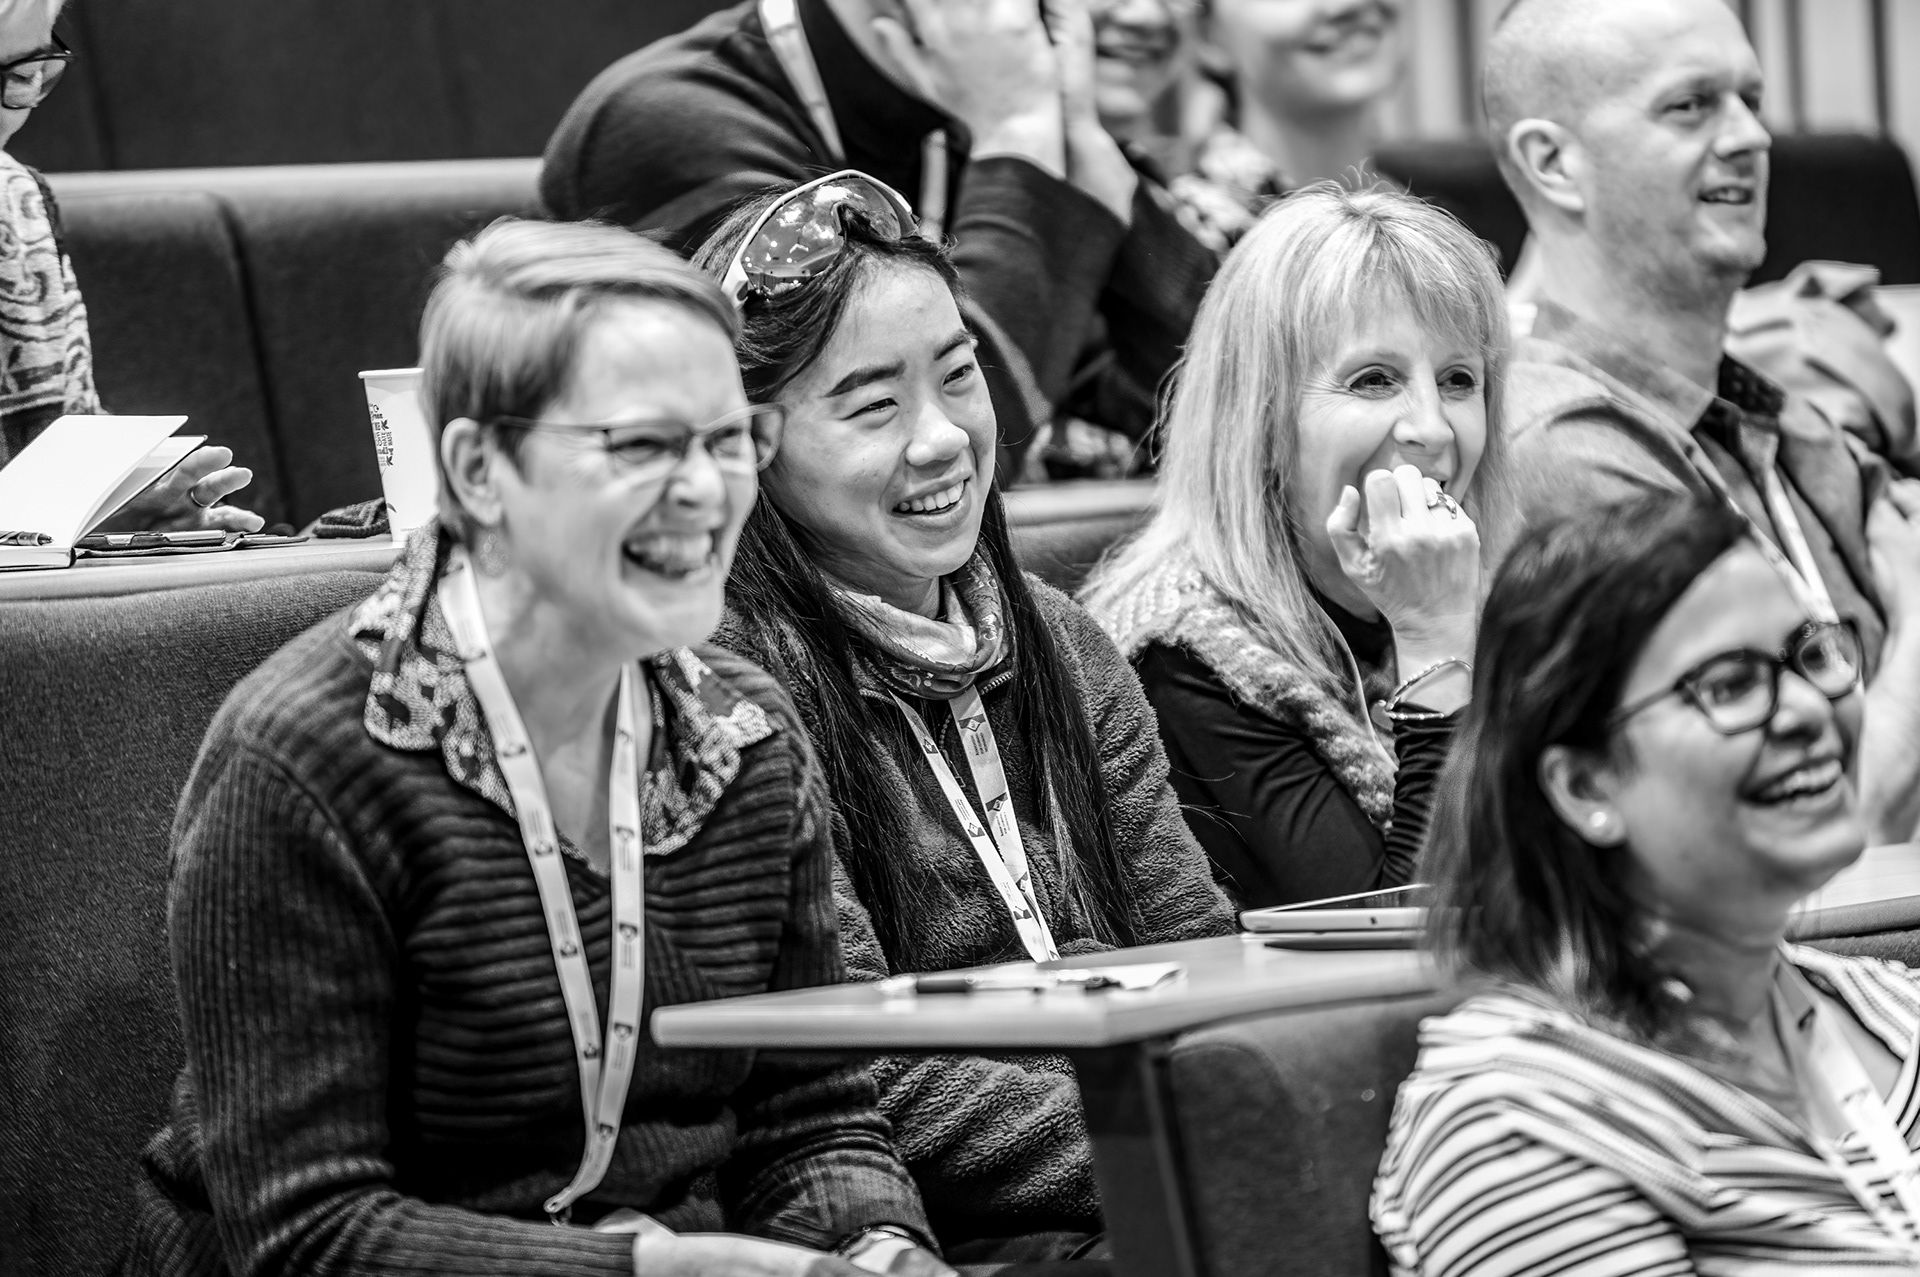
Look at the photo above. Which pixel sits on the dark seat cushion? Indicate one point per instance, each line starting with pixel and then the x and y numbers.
pixel 172 331
pixel 1281 1120
pixel 106 700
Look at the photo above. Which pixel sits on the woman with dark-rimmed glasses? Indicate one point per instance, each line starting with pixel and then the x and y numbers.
pixel 442 855
pixel 1657 765
pixel 46 352
pixel 997 784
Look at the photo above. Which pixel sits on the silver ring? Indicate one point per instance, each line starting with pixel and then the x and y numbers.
pixel 204 505
pixel 1444 502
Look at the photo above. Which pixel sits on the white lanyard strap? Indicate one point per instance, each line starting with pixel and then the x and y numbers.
pixel 781 21
pixel 1005 856
pixel 1847 1104
pixel 1786 525
pixel 606 1064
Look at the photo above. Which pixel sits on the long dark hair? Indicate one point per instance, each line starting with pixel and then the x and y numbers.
pixel 1519 895
pixel 783 607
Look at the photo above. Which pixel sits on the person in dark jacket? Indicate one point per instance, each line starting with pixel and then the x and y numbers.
pixel 1303 604
pixel 998 789
pixel 1082 279
pixel 436 843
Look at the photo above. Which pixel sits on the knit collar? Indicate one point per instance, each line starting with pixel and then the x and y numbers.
pixel 935 658
pixel 419 699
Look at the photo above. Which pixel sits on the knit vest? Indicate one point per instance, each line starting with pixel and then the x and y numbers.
pixel 1176 605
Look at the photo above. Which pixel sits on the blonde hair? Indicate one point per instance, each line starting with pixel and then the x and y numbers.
pixel 1311 269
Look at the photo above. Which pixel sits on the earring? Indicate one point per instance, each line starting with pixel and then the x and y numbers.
pixel 490 553
pixel 1602 825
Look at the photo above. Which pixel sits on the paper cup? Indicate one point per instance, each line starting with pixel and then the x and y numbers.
pixel 409 467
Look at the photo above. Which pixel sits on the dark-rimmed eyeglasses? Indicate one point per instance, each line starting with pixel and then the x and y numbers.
pixel 741 441
pixel 1740 690
pixel 804 231
pixel 25 82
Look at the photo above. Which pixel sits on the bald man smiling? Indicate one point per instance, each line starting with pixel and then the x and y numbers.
pixel 1630 134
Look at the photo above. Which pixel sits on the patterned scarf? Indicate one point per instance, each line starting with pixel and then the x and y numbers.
pixel 935 659
pixel 47 369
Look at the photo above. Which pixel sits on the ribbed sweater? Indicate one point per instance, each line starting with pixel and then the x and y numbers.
pixel 998 1144
pixel 380 1078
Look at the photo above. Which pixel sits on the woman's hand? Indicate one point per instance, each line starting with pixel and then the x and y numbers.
pixel 188 496
pixel 1095 162
pixel 659 1252
pixel 989 63
pixel 1420 565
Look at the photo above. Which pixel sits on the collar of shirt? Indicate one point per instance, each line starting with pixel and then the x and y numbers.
pixel 419 699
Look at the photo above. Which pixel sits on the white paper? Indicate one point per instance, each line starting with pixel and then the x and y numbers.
pixel 61 483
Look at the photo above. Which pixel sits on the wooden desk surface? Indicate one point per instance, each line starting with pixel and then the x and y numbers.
pixel 1225 977
pixel 96 576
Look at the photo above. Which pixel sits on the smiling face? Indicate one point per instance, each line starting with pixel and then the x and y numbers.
pixel 1391 392
pixel 889 444
pixel 1675 158
pixel 1717 822
pixel 637 563
pixel 1141 48
pixel 1304 58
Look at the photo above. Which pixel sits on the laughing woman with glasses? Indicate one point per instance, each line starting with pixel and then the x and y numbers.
pixel 998 788
pixel 442 856
pixel 1657 765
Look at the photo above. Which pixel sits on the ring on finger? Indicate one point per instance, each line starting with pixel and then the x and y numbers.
pixel 204 505
pixel 1443 501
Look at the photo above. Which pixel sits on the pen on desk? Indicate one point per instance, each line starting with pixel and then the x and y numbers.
pixel 25 538
pixel 997 982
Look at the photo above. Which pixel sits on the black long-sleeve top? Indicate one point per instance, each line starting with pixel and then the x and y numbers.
pixel 1273 816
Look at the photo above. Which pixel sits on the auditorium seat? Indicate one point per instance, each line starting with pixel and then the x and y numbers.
pixel 106 698
pixel 1281 1120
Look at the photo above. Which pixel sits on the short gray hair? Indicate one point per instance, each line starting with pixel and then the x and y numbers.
pixel 512 307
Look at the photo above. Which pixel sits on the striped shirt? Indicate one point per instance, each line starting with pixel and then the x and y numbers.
pixel 1527 1141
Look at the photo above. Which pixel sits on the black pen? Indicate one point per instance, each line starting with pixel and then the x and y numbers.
pixel 25 538
pixel 998 982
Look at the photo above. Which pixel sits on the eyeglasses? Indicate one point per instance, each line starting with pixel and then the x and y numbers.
pixel 801 235
pixel 740 442
pixel 1740 690
pixel 25 82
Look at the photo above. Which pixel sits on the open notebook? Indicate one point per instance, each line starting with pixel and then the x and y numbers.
pixel 75 474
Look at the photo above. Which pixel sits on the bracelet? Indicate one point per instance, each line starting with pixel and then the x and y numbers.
pixel 876 1247
pixel 1400 692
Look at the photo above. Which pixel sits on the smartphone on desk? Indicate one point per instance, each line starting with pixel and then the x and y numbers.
pixel 1397 913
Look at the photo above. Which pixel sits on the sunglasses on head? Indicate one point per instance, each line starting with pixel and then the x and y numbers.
pixel 802 234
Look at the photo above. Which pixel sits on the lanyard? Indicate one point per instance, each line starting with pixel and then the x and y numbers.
pixel 781 19
pixel 1798 558
pixel 1846 1104
pixel 1005 856
pixel 606 1064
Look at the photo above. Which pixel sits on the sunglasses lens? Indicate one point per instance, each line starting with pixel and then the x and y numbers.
pixel 1829 658
pixel 805 234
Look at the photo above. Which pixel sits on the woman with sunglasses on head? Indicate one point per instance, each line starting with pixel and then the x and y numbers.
pixel 46 350
pixel 1301 606
pixel 998 789
pixel 442 855
pixel 1656 767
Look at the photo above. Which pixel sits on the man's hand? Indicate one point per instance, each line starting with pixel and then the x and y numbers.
pixel 1095 162
pixel 988 63
pixel 188 497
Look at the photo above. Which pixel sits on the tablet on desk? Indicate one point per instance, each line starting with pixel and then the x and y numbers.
pixel 1370 919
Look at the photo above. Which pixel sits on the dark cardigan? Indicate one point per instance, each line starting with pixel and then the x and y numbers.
pixel 380 1077
pixel 1093 313
pixel 998 1145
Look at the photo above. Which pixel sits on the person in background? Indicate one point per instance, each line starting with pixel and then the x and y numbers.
pixel 878 583
pixel 432 846
pixel 46 355
pixel 1631 137
pixel 1301 606
pixel 1296 96
pixel 1657 765
pixel 1080 283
